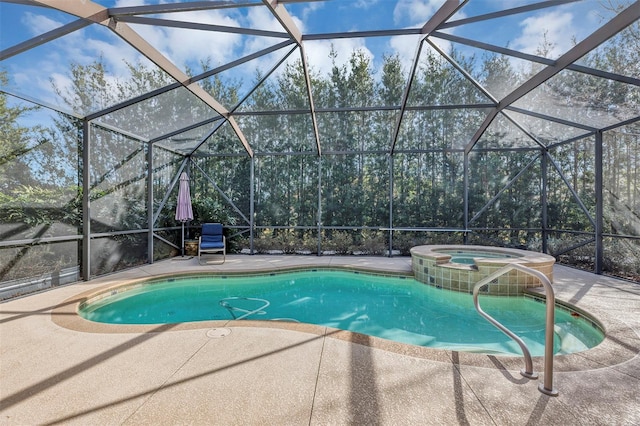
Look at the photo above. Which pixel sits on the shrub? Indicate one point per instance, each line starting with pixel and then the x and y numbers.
pixel 405 241
pixel 309 243
pixel 340 242
pixel 287 242
pixel 373 242
pixel 263 244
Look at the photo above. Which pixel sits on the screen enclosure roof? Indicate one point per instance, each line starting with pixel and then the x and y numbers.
pixel 561 52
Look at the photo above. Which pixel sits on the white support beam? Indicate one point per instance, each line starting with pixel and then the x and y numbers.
pixel 285 19
pixel 82 9
pixel 448 9
pixel 312 108
pixel 290 27
pixel 100 14
pixel 484 91
pixel 140 44
pixel 602 34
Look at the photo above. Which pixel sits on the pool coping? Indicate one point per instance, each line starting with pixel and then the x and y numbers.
pixel 616 348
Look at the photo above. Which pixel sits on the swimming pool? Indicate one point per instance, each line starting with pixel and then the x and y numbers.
pixel 391 307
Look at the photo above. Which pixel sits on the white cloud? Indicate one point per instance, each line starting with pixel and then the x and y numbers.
pixel 39 24
pixel 41 84
pixel 189 46
pixel 405 47
pixel 318 52
pixel 262 18
pixel 554 26
pixel 310 9
pixel 444 45
pixel 113 54
pixel 510 4
pixel 414 12
pixel 129 3
pixel 366 4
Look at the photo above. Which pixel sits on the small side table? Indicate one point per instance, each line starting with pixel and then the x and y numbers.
pixel 191 247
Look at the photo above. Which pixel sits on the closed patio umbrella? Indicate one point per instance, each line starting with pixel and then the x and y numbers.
pixel 184 212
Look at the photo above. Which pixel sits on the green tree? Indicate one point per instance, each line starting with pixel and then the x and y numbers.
pixel 15 142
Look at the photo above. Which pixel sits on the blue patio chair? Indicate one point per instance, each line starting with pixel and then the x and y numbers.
pixel 212 241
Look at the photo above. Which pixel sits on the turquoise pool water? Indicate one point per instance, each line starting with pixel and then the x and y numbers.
pixel 395 308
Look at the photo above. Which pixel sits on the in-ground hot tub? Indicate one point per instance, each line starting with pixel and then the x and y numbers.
pixel 460 267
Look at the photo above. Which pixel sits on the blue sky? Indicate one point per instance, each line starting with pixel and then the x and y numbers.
pixel 33 71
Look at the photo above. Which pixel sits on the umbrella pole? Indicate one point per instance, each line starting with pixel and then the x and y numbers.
pixel 182 250
pixel 182 247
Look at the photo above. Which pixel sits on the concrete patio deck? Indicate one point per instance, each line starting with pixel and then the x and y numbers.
pixel 56 368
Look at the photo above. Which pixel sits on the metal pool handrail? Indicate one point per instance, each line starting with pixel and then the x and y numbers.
pixel 547 386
